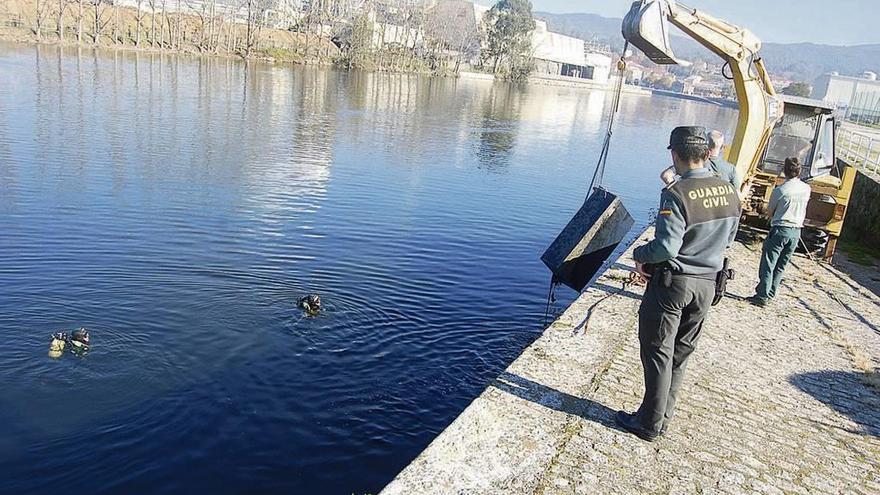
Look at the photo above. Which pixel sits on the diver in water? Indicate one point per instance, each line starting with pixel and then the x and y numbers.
pixel 311 304
pixel 57 345
pixel 77 342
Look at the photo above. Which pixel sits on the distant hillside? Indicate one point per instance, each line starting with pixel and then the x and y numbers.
pixel 797 61
pixel 806 61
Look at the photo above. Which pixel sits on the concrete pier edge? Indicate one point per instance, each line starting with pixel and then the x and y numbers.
pixel 755 415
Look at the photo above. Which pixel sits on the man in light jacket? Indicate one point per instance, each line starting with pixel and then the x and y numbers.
pixel 787 210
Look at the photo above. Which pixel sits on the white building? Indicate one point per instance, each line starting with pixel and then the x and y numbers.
pixel 390 27
pixel 461 31
pixel 554 54
pixel 560 55
pixel 858 96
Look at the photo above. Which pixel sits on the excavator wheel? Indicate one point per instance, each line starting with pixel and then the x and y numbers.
pixel 815 240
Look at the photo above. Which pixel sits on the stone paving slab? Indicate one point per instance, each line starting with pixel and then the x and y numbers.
pixel 776 400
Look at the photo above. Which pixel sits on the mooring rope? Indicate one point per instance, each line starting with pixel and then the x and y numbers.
pixel 551 298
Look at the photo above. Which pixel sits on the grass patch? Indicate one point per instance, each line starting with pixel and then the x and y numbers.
pixel 859 252
pixel 283 55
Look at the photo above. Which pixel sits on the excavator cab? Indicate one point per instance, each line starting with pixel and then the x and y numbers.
pixel 806 131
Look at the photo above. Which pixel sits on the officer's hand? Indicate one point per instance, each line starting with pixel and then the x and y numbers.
pixel 640 269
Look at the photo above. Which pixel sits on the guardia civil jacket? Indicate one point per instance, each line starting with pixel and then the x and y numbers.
pixel 697 221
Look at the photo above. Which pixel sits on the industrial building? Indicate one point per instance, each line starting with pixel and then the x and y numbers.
pixel 559 55
pixel 553 54
pixel 858 97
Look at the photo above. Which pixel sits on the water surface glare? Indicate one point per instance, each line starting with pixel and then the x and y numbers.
pixel 178 207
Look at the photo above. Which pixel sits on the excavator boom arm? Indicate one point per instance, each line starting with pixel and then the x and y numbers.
pixel 759 108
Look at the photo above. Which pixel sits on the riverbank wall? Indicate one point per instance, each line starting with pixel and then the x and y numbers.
pixel 777 400
pixel 863 215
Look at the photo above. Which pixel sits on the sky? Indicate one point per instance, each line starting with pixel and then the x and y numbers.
pixel 833 22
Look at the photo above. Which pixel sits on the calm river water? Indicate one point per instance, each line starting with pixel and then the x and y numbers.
pixel 178 207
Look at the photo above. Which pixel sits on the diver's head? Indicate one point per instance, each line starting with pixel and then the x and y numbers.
pixel 79 340
pixel 311 304
pixel 314 301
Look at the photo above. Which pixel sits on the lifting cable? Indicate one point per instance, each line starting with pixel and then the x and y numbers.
pixel 599 173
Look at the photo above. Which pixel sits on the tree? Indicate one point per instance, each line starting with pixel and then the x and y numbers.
pixel 62 6
pixel 139 15
pixel 80 16
pixel 256 11
pixel 117 33
pixel 650 79
pixel 210 23
pixel 357 49
pixel 666 82
pixel 798 89
pixel 509 25
pixel 42 11
pixel 450 38
pixel 99 22
pixel 164 18
pixel 152 4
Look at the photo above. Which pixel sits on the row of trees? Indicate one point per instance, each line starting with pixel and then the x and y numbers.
pixel 380 34
pixel 204 25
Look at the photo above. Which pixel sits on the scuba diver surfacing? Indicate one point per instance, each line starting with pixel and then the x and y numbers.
pixel 77 342
pixel 57 345
pixel 311 304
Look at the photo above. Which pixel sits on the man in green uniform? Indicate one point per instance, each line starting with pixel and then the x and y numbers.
pixel 718 164
pixel 697 221
pixel 787 209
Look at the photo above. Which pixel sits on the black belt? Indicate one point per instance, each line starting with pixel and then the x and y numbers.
pixel 664 272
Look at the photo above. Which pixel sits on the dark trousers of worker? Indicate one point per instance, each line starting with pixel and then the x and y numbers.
pixel 779 246
pixel 670 321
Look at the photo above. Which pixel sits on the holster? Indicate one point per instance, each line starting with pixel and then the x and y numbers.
pixel 721 280
pixel 661 272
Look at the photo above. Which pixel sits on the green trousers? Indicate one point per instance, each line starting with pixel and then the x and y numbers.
pixel 778 249
pixel 670 322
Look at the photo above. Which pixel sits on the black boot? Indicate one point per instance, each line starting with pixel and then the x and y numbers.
pixel 630 423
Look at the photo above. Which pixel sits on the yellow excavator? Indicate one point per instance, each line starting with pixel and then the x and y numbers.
pixel 770 127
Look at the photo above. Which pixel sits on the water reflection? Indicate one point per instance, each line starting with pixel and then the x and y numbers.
pixel 500 111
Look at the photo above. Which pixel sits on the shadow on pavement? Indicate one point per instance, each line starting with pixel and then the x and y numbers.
pixel 616 291
pixel 864 276
pixel 556 400
pixel 846 393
